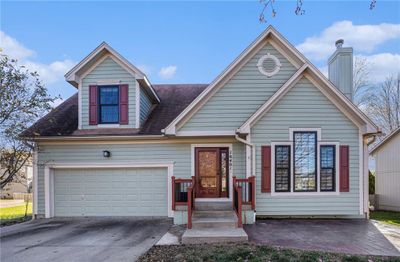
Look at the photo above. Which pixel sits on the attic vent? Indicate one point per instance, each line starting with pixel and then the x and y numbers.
pixel 269 65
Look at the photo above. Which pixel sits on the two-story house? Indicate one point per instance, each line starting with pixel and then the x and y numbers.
pixel 270 136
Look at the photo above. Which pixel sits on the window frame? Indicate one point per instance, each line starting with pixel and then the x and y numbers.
pixel 290 143
pixel 100 122
pixel 316 176
pixel 289 168
pixel 334 169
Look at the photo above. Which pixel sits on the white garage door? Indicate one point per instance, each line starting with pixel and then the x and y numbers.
pixel 110 192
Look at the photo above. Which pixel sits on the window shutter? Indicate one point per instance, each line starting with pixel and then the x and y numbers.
pixel 344 169
pixel 266 169
pixel 93 105
pixel 123 104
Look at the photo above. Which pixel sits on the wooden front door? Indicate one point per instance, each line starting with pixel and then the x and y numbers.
pixel 211 172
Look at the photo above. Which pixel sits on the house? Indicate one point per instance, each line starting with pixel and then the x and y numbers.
pixel 20 185
pixel 387 172
pixel 270 136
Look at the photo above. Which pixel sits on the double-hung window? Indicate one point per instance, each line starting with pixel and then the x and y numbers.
pixel 108 104
pixel 305 164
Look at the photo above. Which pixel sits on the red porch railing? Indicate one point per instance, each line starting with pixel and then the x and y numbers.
pixel 244 190
pixel 183 192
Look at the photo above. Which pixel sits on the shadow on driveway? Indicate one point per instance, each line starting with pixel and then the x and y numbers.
pixel 83 239
pixel 343 236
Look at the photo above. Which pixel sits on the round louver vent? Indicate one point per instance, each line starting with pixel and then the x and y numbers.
pixel 269 65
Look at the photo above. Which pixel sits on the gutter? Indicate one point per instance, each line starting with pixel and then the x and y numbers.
pixel 253 153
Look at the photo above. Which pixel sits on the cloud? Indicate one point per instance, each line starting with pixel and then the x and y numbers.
pixel 363 38
pixel 381 66
pixel 167 72
pixel 49 73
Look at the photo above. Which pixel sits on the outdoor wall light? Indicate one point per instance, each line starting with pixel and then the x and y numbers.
pixel 106 153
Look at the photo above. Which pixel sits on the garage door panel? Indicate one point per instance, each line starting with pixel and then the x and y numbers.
pixel 111 192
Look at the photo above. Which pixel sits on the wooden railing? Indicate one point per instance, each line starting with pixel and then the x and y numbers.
pixel 237 201
pixel 183 192
pixel 248 186
pixel 244 191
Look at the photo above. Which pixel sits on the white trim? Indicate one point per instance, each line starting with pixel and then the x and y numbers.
pixel 319 143
pixel 205 133
pixel 137 105
pixel 49 178
pixel 365 180
pixel 98 62
pixel 261 61
pixel 35 180
pixel 106 82
pixel 230 160
pixel 108 125
pixel 361 172
pixel 219 81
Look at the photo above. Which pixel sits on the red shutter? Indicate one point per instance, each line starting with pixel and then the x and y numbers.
pixel 93 108
pixel 344 168
pixel 123 104
pixel 266 169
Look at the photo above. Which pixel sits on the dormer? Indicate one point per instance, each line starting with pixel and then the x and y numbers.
pixel 112 92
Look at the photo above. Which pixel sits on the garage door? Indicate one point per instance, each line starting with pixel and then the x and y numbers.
pixel 110 192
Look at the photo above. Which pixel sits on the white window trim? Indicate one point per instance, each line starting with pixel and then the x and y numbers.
pixel 49 179
pixel 193 173
pixel 108 125
pixel 319 143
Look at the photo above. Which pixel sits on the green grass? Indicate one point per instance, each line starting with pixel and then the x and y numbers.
pixel 15 214
pixel 247 252
pixel 388 217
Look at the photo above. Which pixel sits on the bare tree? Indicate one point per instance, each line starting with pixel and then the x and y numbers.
pixel 269 6
pixel 23 99
pixel 361 80
pixel 383 106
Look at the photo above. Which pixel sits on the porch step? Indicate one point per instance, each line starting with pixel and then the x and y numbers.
pixel 214 219
pixel 225 205
pixel 214 235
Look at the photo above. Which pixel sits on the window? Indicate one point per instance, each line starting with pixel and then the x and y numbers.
pixel 305 161
pixel 327 167
pixel 282 168
pixel 108 104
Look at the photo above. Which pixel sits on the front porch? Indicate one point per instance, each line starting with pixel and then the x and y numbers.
pixel 213 219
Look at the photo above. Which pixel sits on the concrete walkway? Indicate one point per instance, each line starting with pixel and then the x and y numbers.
pixel 83 239
pixel 343 236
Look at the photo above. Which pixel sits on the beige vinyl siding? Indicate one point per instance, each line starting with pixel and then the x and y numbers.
pixel 241 96
pixel 387 177
pixel 179 153
pixel 108 70
pixel 145 106
pixel 306 107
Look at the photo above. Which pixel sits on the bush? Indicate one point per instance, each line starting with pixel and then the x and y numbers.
pixel 371 183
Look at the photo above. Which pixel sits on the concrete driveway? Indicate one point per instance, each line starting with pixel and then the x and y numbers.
pixel 83 239
pixel 342 236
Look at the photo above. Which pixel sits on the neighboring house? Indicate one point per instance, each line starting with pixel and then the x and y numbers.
pixel 115 147
pixel 20 185
pixel 387 171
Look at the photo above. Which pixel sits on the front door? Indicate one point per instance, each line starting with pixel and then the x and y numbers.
pixel 211 172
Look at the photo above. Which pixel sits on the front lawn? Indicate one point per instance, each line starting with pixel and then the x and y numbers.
pixel 246 252
pixel 389 217
pixel 14 214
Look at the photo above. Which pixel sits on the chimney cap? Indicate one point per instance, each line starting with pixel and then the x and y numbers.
pixel 339 43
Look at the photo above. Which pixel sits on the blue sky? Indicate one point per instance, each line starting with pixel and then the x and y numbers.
pixel 190 41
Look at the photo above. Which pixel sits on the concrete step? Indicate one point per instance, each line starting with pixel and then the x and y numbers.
pixel 214 235
pixel 214 219
pixel 213 205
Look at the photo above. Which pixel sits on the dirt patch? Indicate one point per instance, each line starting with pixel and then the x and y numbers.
pixel 246 252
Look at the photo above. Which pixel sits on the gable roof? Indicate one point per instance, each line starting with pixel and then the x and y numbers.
pixel 295 57
pixel 63 120
pixel 86 65
pixel 385 140
pixel 326 87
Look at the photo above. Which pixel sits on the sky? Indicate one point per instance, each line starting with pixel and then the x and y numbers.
pixel 190 41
